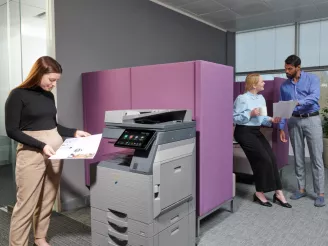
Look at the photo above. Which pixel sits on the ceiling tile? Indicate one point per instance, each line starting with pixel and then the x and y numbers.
pixel 320 1
pixel 177 3
pixel 287 4
pixel 203 7
pixel 220 16
pixel 322 10
pixel 236 3
pixel 304 13
pixel 230 25
pixel 242 15
pixel 252 9
pixel 258 21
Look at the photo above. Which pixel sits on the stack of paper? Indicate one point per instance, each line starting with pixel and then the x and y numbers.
pixel 78 148
pixel 284 109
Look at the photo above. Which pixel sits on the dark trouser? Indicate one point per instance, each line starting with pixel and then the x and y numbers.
pixel 260 157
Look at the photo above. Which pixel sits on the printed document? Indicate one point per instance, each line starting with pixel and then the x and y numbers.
pixel 284 109
pixel 78 148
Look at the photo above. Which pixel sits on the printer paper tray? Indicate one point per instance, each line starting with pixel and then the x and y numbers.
pixel 178 234
pixel 149 230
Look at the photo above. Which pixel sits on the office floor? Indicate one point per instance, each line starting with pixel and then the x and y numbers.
pixel 250 224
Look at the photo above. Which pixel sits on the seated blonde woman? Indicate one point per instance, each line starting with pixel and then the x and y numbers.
pixel 248 120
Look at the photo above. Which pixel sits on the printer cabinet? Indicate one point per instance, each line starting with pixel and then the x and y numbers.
pixel 122 208
pixel 204 87
pixel 157 207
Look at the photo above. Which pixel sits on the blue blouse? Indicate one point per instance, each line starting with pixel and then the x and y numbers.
pixel 243 106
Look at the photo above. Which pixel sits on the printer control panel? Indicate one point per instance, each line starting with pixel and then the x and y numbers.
pixel 135 139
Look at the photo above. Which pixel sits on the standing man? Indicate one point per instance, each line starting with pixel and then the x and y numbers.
pixel 305 123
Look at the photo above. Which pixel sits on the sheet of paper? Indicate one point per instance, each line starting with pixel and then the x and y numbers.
pixel 284 109
pixel 78 148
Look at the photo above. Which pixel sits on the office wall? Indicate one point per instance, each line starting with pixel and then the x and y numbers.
pixel 106 34
pixel 231 49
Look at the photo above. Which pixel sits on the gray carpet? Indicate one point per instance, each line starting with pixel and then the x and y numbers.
pixel 250 224
pixel 63 231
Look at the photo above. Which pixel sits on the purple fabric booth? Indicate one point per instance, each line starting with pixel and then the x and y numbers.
pixel 205 88
pixel 271 94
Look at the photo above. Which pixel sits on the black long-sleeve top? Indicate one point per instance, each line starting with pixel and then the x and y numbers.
pixel 32 109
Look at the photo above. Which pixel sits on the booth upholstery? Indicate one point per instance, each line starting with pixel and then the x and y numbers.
pixel 271 94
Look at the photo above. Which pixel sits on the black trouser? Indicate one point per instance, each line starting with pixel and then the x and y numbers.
pixel 260 156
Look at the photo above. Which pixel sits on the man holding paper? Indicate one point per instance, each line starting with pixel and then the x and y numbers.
pixel 305 123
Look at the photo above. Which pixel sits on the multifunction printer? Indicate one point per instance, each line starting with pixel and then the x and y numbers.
pixel 146 196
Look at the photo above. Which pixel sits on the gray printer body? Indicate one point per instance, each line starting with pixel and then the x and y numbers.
pixel 146 198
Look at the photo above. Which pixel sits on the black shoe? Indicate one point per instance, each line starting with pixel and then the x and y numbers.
pixel 266 204
pixel 286 205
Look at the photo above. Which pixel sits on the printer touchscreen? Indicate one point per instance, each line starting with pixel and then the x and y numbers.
pixel 136 139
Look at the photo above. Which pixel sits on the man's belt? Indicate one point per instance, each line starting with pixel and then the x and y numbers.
pixel 306 115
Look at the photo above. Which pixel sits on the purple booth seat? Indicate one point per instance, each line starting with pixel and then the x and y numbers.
pixel 271 94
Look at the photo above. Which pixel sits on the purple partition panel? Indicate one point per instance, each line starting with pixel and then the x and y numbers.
pixel 103 91
pixel 242 87
pixel 214 105
pixel 164 86
pixel 268 95
pixel 277 145
pixel 236 90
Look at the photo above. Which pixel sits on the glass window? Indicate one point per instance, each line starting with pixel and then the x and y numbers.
pixel 284 45
pixel 245 52
pixel 264 49
pixel 22 41
pixel 10 74
pixel 310 44
pixel 323 43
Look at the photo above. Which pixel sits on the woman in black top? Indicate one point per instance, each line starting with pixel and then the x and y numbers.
pixel 30 118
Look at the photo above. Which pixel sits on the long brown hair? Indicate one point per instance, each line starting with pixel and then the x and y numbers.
pixel 42 66
pixel 251 80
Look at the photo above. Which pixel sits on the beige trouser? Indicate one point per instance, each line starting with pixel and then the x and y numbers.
pixel 37 180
